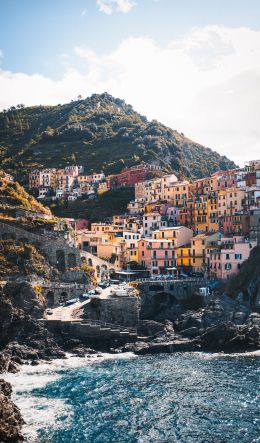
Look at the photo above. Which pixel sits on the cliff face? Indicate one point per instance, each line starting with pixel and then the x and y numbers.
pixel 22 336
pixel 101 133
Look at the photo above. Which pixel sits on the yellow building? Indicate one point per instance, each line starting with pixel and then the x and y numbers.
pixel 206 213
pixel 184 256
pixel 178 193
pixel 201 245
pixel 103 227
pixel 131 240
pixel 230 201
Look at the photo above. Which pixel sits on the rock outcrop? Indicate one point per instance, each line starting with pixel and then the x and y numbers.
pixel 226 324
pixel 22 336
pixel 11 421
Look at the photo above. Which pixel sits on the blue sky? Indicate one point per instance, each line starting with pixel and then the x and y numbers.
pixel 178 61
pixel 34 33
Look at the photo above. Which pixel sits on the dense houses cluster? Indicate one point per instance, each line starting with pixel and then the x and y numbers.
pixel 208 226
pixel 68 183
pixel 71 183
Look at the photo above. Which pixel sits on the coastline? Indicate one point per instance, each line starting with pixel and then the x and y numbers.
pixel 42 412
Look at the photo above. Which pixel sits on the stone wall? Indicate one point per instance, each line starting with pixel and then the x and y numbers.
pixel 8 231
pixel 123 311
pixel 58 251
pixel 55 296
pixel 167 300
pixel 181 290
pixel 74 275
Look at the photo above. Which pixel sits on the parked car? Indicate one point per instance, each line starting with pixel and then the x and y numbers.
pixel 114 282
pixel 104 284
pixel 71 301
pixel 49 312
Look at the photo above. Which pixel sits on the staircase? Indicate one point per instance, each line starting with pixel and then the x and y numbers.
pixel 99 328
pixel 88 328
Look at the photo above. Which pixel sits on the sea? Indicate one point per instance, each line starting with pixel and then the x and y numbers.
pixel 123 398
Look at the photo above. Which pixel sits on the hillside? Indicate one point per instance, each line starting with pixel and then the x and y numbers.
pixel 106 205
pixel 101 133
pixel 13 196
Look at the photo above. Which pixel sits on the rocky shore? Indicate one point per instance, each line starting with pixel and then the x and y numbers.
pixel 229 323
pixel 225 325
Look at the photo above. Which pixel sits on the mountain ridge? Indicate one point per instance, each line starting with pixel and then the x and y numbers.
pixel 101 133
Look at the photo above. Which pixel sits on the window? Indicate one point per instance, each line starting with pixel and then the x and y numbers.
pixel 228 266
pixel 238 256
pixel 227 256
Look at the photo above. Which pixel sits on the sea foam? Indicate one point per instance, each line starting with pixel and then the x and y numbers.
pixel 40 412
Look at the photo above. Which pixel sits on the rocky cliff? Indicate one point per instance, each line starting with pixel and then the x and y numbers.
pixel 22 336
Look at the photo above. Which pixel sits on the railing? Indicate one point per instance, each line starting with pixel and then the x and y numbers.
pixel 63 285
pixel 171 280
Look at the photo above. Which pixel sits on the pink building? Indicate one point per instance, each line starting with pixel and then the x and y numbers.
pixel 230 253
pixel 159 253
pixel 158 256
pixel 81 223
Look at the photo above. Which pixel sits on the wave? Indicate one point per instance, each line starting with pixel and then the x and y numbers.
pixel 40 412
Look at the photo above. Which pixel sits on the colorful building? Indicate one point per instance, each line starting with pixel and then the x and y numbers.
pixel 226 258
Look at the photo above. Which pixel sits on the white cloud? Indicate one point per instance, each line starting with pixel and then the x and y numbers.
pixel 110 6
pixel 83 13
pixel 206 85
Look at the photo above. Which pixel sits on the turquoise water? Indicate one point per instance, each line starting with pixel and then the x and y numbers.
pixel 186 398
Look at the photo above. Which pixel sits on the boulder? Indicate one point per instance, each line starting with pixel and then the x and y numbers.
pixel 230 338
pixel 148 328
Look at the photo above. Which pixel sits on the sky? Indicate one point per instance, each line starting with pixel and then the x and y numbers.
pixel 193 65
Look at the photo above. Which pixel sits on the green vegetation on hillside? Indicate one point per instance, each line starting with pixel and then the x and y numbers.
pixel 21 258
pixel 14 196
pixel 101 133
pixel 105 205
